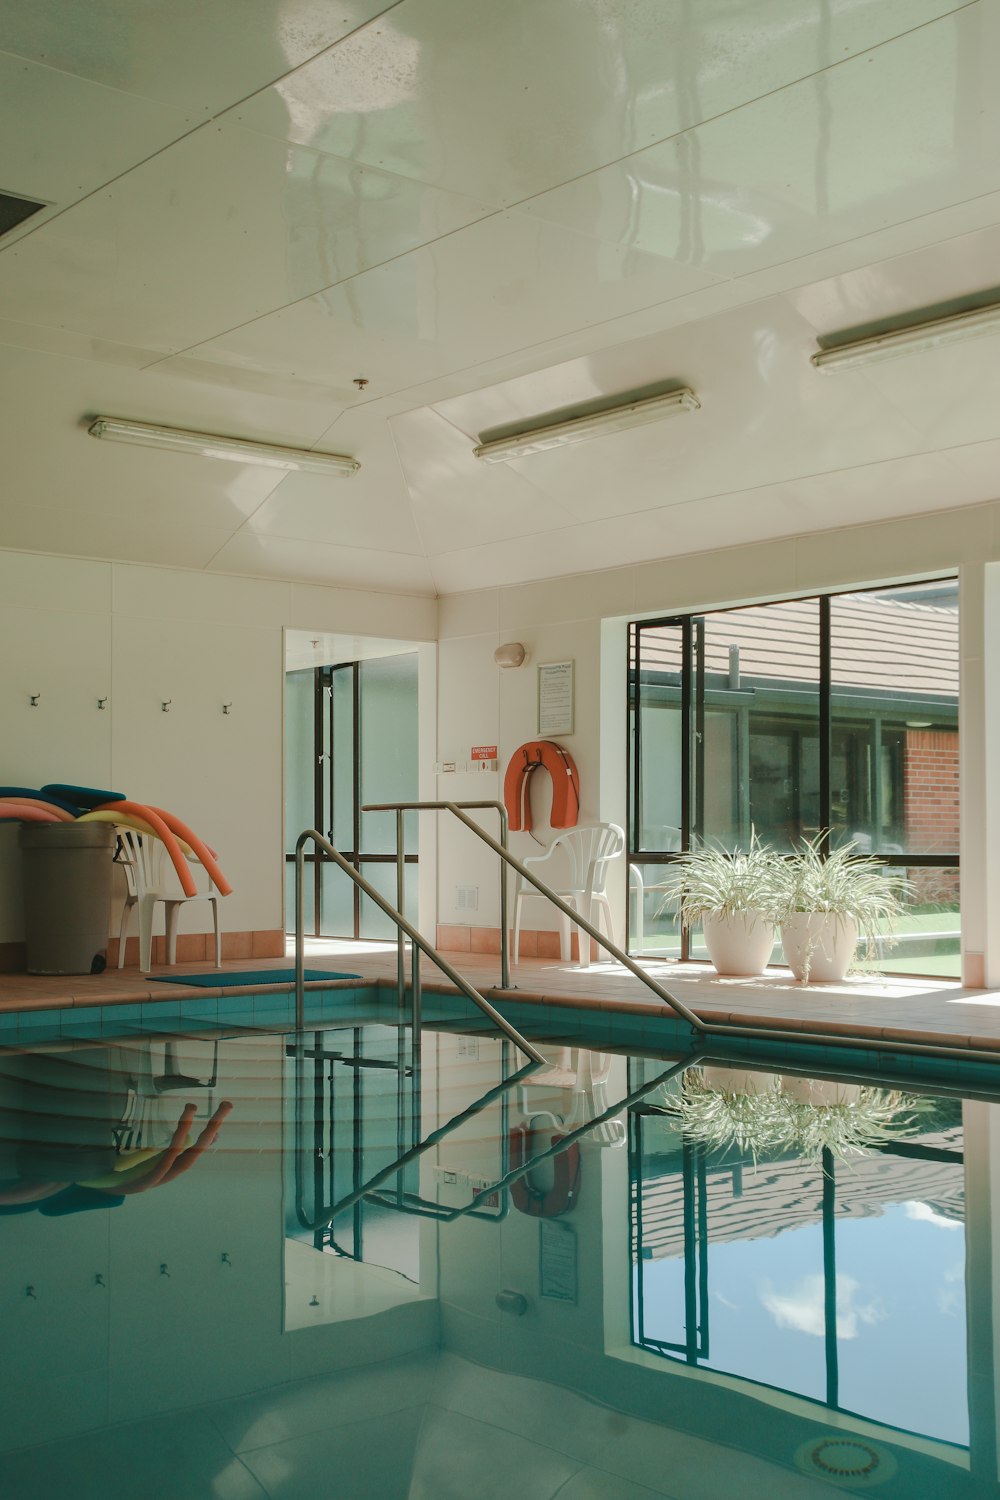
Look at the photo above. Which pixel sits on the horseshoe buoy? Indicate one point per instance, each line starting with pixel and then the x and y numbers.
pixel 565 784
pixel 561 1197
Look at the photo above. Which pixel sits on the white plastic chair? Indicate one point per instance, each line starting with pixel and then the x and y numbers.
pixel 585 1075
pixel 588 851
pixel 141 858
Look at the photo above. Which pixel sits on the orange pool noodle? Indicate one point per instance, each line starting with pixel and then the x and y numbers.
pixel 201 849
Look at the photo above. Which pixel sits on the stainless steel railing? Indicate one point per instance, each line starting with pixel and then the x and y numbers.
pixel 370 1188
pixel 500 848
pixel 404 929
pixel 703 1029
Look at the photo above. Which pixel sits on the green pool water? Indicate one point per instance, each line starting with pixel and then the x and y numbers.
pixel 240 1262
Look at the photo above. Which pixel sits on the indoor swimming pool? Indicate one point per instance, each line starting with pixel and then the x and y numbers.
pixel 242 1262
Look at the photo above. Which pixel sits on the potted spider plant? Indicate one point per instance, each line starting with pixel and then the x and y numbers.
pixel 830 901
pixel 736 895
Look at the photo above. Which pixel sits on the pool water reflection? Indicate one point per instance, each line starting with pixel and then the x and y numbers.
pixel 219 1281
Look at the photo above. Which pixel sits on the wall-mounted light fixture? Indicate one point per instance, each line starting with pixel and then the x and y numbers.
pixel 579 429
pixel 210 445
pixel 513 654
pixel 928 334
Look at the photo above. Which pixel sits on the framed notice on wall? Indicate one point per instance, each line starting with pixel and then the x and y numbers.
pixel 555 698
pixel 557 1261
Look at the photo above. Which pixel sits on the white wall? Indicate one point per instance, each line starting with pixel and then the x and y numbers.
pixel 584 617
pixel 73 631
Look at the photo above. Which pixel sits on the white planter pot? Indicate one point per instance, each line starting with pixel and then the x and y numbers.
pixel 819 946
pixel 729 1081
pixel 740 944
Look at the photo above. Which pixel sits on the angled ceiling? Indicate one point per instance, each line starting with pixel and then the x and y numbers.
pixel 491 213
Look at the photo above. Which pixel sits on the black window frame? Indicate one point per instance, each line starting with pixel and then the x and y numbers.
pixel 692 689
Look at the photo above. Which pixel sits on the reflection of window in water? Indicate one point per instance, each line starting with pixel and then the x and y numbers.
pixel 840 1281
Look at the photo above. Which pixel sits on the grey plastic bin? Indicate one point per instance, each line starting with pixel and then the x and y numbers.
pixel 67 895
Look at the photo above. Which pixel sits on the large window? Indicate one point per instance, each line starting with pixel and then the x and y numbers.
pixel 838 712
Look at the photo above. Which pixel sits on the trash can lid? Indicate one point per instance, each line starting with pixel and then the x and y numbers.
pixel 66 836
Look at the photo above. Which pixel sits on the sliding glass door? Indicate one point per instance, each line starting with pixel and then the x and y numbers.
pixel 351 739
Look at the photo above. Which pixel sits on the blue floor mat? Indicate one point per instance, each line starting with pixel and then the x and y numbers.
pixel 224 979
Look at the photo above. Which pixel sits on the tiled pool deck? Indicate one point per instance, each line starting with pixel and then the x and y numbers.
pixel 866 1006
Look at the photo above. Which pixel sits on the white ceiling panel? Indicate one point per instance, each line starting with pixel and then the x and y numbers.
pixel 364 510
pixel 200 55
pixel 490 213
pixel 167 258
pixel 458 501
pixel 548 92
pixel 141 538
pixel 322 343
pixel 43 159
pixel 819 503
pixel 490 288
pixel 313 562
pixel 800 169
pixel 749 368
pixel 905 288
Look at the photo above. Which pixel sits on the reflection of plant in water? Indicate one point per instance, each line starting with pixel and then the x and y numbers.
pixel 774 1119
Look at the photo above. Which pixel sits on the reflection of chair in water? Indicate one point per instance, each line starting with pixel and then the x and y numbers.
pixel 584 1075
pixel 588 850
pixel 141 858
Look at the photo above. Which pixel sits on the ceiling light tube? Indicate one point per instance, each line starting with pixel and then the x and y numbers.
pixel 209 445
pixel 579 429
pixel 927 335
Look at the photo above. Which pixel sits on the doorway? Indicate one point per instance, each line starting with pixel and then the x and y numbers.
pixel 351 739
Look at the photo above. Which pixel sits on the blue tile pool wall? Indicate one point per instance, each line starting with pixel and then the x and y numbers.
pixel 620 1029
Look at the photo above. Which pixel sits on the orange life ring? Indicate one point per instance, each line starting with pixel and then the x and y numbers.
pixel 565 784
pixel 565 1190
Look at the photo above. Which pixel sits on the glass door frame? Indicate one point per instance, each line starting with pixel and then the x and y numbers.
pixel 323 793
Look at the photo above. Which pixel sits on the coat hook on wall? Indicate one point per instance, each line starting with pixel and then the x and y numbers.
pixel 165 705
pixel 163 1270
pixel 227 708
pixel 224 1258
pixel 102 702
pixel 99 1280
pixel 29 1291
pixel 34 699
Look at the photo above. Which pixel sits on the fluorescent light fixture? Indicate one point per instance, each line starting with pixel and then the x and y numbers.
pixel 208 445
pixel 928 335
pixel 579 429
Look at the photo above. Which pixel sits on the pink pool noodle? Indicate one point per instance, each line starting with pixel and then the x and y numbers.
pixel 25 813
pixel 60 813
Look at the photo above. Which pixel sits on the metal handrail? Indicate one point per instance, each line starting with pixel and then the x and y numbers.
pixel 369 1189
pixel 498 807
pixel 704 1029
pixel 418 941
pixel 415 1152
pixel 546 890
